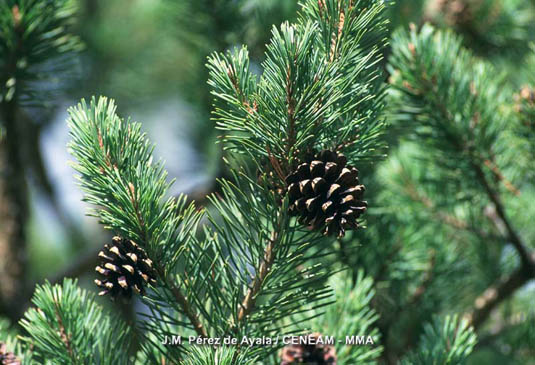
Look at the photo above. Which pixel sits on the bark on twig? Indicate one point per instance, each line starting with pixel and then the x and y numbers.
pixel 495 294
pixel 512 235
pixel 265 265
pixel 185 305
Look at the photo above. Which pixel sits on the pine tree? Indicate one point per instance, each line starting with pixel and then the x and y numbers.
pixel 36 46
pixel 424 250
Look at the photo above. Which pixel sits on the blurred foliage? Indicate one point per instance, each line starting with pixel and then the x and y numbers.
pixel 36 45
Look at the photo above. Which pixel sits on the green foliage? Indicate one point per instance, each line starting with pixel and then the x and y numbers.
pixel 494 28
pixel 204 355
pixel 317 89
pixel 309 95
pixel 248 219
pixel 445 341
pixel 242 266
pixel 352 301
pixel 205 280
pixel 446 189
pixel 67 327
pixel 118 175
pixel 112 153
pixel 8 336
pixel 449 100
pixel 5 329
pixel 35 42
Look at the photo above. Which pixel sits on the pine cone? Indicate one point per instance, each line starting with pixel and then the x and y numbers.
pixel 124 267
pixel 318 354
pixel 7 358
pixel 325 193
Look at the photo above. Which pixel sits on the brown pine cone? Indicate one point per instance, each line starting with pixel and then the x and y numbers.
pixel 125 268
pixel 325 193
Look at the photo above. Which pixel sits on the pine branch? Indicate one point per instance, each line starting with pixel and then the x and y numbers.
pixel 445 341
pixel 263 269
pixel 300 96
pixel 492 29
pixel 528 264
pixel 317 90
pixel 33 33
pixel 186 307
pixel 38 32
pixel 118 176
pixel 440 216
pixel 67 327
pixel 456 113
pixel 496 294
pixel 244 229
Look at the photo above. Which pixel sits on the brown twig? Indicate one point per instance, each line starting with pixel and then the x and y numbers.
pixel 448 219
pixel 177 294
pixel 426 281
pixel 13 215
pixel 493 195
pixel 528 263
pixel 264 267
pixel 63 334
pixel 144 235
pixel 13 195
pixel 185 305
pixel 495 294
pixel 337 35
pixel 499 175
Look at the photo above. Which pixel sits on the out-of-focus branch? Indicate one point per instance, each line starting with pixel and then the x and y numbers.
pixel 513 237
pixel 503 327
pixel 506 287
pixel 439 215
pixel 497 293
pixel 13 214
pixel 426 281
pixel 84 263
pixel 389 357
pixel 500 177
